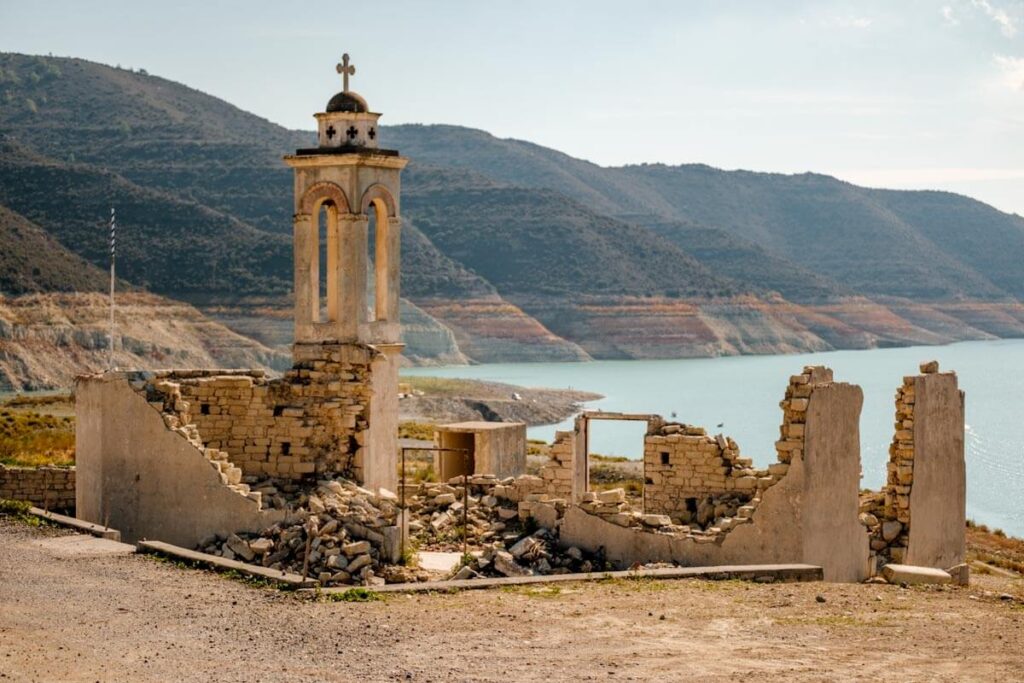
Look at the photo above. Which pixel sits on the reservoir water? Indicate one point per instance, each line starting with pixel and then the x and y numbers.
pixel 741 393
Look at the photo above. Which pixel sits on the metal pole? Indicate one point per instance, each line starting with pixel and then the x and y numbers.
pixel 113 252
pixel 402 521
pixel 465 503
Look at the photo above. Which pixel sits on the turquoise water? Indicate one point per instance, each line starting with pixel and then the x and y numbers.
pixel 742 394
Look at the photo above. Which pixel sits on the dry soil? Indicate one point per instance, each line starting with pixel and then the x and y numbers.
pixel 68 617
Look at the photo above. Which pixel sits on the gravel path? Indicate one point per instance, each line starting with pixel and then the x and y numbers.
pixel 114 618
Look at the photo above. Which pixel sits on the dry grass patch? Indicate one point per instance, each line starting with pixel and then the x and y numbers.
pixel 31 439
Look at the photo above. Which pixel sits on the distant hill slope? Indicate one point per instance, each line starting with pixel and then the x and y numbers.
pixel 167 244
pixel 923 245
pixel 555 246
pixel 512 250
pixel 32 261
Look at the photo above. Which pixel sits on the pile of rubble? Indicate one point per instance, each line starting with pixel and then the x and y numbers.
pixel 711 515
pixel 531 554
pixel 336 532
pixel 510 519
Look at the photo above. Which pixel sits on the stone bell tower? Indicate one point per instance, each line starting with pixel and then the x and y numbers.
pixel 347 234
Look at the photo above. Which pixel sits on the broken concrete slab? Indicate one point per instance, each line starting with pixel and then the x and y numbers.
pixel 438 562
pixel 780 573
pixel 97 530
pixel 911 575
pixel 160 548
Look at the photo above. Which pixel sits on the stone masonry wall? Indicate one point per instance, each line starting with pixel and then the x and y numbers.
pixel 557 472
pixel 311 421
pixel 683 466
pixel 900 472
pixel 886 514
pixel 51 488
pixel 696 478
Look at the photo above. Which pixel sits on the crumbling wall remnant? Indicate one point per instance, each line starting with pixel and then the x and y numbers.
pixel 311 421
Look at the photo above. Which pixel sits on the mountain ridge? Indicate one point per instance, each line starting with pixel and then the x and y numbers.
pixel 516 251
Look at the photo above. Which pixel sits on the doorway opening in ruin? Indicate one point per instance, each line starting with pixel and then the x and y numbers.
pixel 613 453
pixel 456 456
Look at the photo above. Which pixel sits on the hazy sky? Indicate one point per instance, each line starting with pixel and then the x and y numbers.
pixel 912 93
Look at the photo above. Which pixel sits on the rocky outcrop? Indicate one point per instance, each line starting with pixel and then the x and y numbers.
pixel 492 330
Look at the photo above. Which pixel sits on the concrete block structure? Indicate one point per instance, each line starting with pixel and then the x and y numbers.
pixel 497 448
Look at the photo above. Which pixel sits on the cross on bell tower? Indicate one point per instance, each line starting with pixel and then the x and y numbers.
pixel 345 70
pixel 343 185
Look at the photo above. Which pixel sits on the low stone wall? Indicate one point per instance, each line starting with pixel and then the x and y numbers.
pixel 51 488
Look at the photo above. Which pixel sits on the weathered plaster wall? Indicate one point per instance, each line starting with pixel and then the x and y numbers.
pixel 919 515
pixel 832 534
pixel 51 488
pixel 938 494
pixel 137 475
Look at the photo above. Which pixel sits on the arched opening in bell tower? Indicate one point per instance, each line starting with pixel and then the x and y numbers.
pixel 377 245
pixel 324 263
pixel 382 244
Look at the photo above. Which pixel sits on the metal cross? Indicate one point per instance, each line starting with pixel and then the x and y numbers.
pixel 345 70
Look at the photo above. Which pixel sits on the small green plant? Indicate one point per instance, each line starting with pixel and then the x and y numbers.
pixel 20 510
pixel 410 556
pixel 358 594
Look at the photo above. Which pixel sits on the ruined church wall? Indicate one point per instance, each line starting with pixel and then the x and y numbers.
pixel 684 467
pixel 919 515
pixel 802 509
pixel 137 474
pixel 314 420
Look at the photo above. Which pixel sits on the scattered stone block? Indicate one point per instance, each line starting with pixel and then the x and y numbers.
pixel 240 548
pixel 505 564
pixel 356 548
pixel 911 575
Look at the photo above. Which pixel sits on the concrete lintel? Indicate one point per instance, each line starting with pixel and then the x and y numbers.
pixel 161 548
pixel 97 530
pixel 781 573
pixel 604 415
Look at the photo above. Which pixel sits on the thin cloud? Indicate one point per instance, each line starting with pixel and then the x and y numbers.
pixel 847 22
pixel 1007 24
pixel 948 16
pixel 1011 71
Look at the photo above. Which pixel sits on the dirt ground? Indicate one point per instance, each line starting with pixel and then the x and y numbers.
pixel 68 617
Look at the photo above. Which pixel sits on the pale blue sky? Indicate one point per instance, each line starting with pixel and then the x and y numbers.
pixel 909 94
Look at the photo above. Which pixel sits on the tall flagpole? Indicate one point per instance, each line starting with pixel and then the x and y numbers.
pixel 113 254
